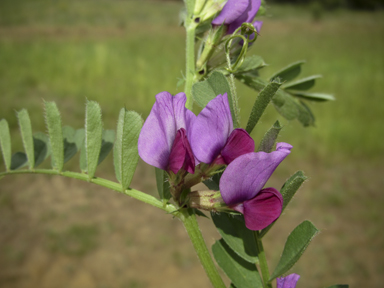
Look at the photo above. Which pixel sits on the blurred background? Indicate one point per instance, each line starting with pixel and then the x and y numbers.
pixel 58 232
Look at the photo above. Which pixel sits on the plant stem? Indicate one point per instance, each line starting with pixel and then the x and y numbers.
pixel 190 27
pixel 141 196
pixel 262 261
pixel 188 217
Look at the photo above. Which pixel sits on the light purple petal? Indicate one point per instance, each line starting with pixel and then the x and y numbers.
pixel 257 25
pixel 289 281
pixel 211 129
pixel 156 138
pixel 248 16
pixel 263 209
pixel 181 154
pixel 232 10
pixel 246 175
pixel 238 143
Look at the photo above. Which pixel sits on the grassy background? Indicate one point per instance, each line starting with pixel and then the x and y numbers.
pixel 122 53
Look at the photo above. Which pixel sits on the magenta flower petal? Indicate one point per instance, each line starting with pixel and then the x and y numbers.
pixel 211 129
pixel 167 116
pixel 263 209
pixel 232 10
pixel 289 281
pixel 246 175
pixel 181 154
pixel 248 16
pixel 238 143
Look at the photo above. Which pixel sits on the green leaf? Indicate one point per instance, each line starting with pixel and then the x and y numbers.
pixel 93 136
pixel 295 246
pixel 319 97
pixel 251 63
pixel 339 286
pixel 286 105
pixel 206 90
pixel 261 103
pixel 53 121
pixel 41 147
pixel 242 273
pixel 302 84
pixel 288 73
pixel 26 135
pixel 73 141
pixel 305 115
pixel 125 154
pixel 288 190
pixel 236 235
pixel 106 144
pixel 162 184
pixel 269 138
pixel 83 158
pixel 213 182
pixel 19 160
pixel 5 143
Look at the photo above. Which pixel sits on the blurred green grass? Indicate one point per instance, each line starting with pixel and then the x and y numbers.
pixel 122 53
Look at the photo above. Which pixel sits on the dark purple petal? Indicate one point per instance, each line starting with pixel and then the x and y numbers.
pixel 262 210
pixel 289 281
pixel 238 143
pixel 211 129
pixel 156 138
pixel 232 10
pixel 247 174
pixel 181 154
pixel 248 16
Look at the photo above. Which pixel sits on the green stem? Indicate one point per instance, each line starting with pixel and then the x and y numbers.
pixel 141 196
pixel 190 69
pixel 262 261
pixel 190 223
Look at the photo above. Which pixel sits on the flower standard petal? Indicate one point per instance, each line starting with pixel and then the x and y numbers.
pixel 157 136
pixel 289 281
pixel 246 175
pixel 211 129
pixel 263 209
pixel 248 16
pixel 232 10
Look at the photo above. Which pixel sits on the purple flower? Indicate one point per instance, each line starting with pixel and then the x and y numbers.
pixel 242 182
pixel 288 281
pixel 212 136
pixel 163 141
pixel 236 12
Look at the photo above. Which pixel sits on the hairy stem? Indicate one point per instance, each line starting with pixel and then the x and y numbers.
pixel 188 217
pixel 262 261
pixel 141 196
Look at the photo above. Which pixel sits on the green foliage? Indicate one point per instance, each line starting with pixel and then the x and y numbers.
pixel 73 141
pixel 261 103
pixel 125 153
pixel 238 237
pixel 242 273
pixel 53 121
pixel 295 246
pixel 26 134
pixel 162 184
pixel 302 84
pixel 268 141
pixel 288 73
pixel 93 136
pixel 251 64
pixel 41 147
pixel 5 143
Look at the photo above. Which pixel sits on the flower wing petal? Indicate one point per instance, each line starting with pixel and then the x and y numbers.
pixel 289 281
pixel 238 143
pixel 263 209
pixel 211 129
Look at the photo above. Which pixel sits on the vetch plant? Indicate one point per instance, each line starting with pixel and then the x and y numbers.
pixel 188 149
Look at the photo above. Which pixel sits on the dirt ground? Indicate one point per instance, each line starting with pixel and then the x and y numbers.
pixel 58 232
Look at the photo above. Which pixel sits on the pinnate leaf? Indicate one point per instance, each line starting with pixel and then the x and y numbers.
pixel 295 246
pixel 288 73
pixel 319 97
pixel 162 184
pixel 41 147
pixel 106 144
pixel 5 143
pixel 93 136
pixel 53 121
pixel 19 160
pixel 302 84
pixel 125 154
pixel 26 135
pixel 269 139
pixel 242 273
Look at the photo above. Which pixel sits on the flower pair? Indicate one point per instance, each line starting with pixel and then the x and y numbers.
pixel 173 138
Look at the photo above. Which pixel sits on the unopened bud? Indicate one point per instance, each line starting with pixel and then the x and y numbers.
pixel 207 200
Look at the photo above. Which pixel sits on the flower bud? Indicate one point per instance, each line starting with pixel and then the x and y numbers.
pixel 207 200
